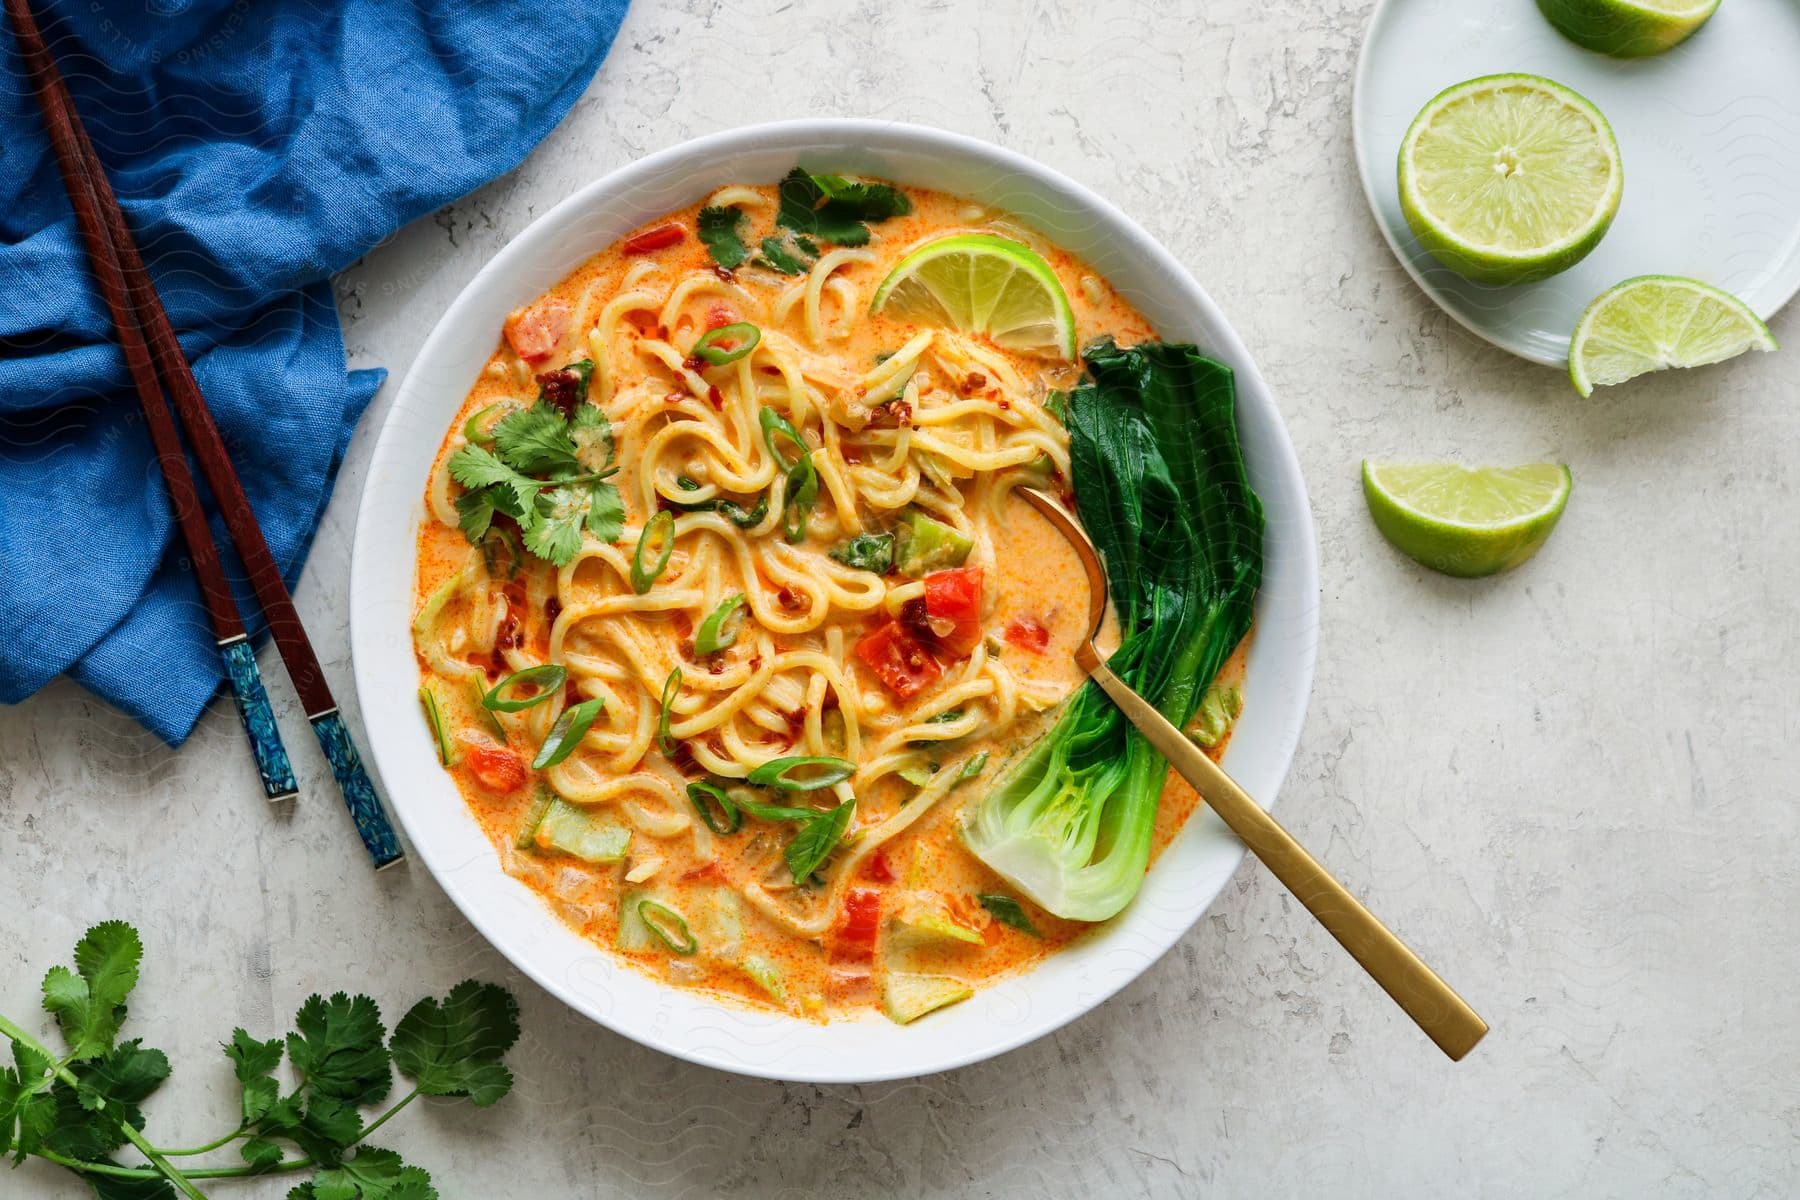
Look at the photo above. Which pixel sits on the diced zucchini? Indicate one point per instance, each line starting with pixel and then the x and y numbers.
pixel 634 935
pixel 918 776
pixel 905 997
pixel 932 925
pixel 718 918
pixel 574 830
pixel 766 975
pixel 923 545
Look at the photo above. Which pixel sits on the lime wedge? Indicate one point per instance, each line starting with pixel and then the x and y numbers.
pixel 980 283
pixel 1466 521
pixel 1655 322
pixel 1628 28
pixel 1509 178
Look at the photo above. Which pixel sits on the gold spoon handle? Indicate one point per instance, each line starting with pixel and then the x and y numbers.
pixel 1415 987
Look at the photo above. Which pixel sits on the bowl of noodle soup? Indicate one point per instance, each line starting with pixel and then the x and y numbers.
pixel 407 549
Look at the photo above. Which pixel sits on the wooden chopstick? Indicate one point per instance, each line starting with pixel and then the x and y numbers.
pixel 215 593
pixel 119 263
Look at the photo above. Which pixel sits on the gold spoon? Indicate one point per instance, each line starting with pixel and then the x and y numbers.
pixel 1415 987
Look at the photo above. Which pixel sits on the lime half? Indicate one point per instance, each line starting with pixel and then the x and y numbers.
pixel 1509 178
pixel 1466 521
pixel 1628 28
pixel 980 283
pixel 1655 322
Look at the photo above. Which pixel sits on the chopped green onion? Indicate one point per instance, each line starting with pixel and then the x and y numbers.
pixel 721 815
pixel 972 768
pixel 548 677
pixel 668 926
pixel 567 733
pixel 802 476
pixel 720 629
pixel 540 805
pixel 508 541
pixel 778 812
pixel 943 718
pixel 435 718
pixel 663 525
pixel 486 713
pixel 475 428
pixel 665 741
pixel 827 771
pixel 739 338
pixel 1008 911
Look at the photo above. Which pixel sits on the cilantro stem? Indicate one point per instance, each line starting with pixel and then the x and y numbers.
pixel 115 1171
pixel 60 1070
pixel 378 1122
pixel 187 1152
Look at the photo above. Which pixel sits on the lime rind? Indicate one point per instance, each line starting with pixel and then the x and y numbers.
pixel 982 283
pixel 1469 172
pixel 1658 322
pixel 1628 28
pixel 1465 521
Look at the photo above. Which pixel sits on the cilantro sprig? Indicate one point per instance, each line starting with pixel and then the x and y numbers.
pixel 80 1108
pixel 547 469
pixel 812 209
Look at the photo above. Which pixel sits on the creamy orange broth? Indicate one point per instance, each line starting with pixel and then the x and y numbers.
pixel 1034 575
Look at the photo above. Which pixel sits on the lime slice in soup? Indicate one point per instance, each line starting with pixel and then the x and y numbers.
pixel 980 283
pixel 1462 520
pixel 1509 178
pixel 1628 28
pixel 1655 322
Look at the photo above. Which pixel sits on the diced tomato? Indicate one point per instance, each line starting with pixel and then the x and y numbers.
pixel 496 770
pixel 535 331
pixel 659 238
pixel 718 317
pixel 879 868
pixel 953 606
pixel 855 935
pixel 1028 634
pixel 902 664
pixel 710 872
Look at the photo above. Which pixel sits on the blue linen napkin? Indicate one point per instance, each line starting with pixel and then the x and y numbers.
pixel 256 149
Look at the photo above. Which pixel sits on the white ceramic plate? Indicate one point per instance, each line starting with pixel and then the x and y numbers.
pixel 1709 134
pixel 684 1023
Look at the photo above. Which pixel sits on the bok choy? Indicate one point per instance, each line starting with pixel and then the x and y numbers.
pixel 1161 489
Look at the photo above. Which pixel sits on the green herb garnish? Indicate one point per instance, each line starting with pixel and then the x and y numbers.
pixel 567 733
pixel 548 473
pixel 719 631
pixel 79 1108
pixel 973 767
pixel 834 209
pixel 802 773
pixel 820 831
pixel 546 677
pixel 787 254
pixel 667 926
pixel 1008 911
pixel 867 552
pixel 718 812
pixel 721 231
pixel 661 527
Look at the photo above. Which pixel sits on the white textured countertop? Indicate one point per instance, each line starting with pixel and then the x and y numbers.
pixel 1572 788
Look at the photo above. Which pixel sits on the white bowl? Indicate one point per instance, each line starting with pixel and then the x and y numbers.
pixel 684 1023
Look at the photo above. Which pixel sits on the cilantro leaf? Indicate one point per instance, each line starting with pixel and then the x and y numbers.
pixel 554 532
pixel 371 1174
pixel 866 552
pixel 834 209
pixel 478 467
pixel 125 1077
pixel 260 1152
pixel 606 513
pixel 536 441
pixel 337 1046
pixel 254 1063
pixel 107 1187
pixel 592 436
pixel 89 1002
pixel 475 513
pixel 1008 911
pixel 719 230
pixel 783 254
pixel 454 1048
pixel 817 838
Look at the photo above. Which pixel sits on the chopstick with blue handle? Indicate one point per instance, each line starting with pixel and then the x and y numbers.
pixel 221 608
pixel 103 225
